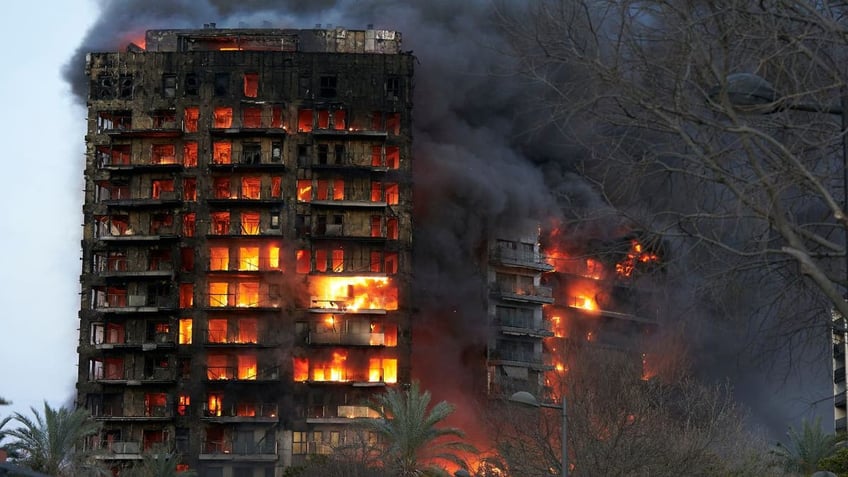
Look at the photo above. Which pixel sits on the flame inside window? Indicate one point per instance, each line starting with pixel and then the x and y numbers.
pixel 353 293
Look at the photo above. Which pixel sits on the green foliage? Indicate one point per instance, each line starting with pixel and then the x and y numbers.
pixel 807 448
pixel 52 443
pixel 408 430
pixel 836 463
pixel 156 463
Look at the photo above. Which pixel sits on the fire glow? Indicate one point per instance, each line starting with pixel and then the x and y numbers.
pixel 635 256
pixel 583 295
pixel 353 293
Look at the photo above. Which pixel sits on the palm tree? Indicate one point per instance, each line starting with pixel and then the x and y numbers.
pixel 52 443
pixel 806 448
pixel 156 463
pixel 409 432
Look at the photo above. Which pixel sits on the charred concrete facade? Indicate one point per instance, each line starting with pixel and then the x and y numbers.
pixel 515 352
pixel 247 243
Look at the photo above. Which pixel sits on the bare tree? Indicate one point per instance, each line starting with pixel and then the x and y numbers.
pixel 622 425
pixel 651 90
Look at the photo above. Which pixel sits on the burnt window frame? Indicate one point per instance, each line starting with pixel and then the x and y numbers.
pixel 328 86
pixel 169 83
pixel 191 84
pixel 394 88
pixel 222 84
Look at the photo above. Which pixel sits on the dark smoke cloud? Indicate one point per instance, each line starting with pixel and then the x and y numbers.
pixel 477 172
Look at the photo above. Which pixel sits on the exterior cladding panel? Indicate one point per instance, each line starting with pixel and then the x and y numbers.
pixel 198 309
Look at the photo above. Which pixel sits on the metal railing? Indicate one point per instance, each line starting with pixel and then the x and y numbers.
pixel 347 338
pixel 230 446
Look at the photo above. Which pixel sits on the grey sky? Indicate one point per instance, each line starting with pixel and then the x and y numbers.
pixel 42 133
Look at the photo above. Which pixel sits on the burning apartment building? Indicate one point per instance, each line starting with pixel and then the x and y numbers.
pixel 551 295
pixel 247 243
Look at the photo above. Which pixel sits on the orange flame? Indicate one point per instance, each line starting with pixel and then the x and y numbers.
pixel 353 293
pixel 301 369
pixel 558 326
pixel 636 256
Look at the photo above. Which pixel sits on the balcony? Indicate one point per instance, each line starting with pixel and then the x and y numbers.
pixel 343 305
pixel 118 450
pixel 520 358
pixel 119 303
pixel 839 375
pixel 353 203
pixel 839 400
pixel 525 294
pixel 233 373
pixel 515 258
pixel 243 412
pixel 157 376
pixel 841 424
pixel 168 130
pixel 116 413
pixel 349 133
pixel 229 449
pixel 347 338
pixel 160 341
pixel 518 326
pixel 230 301
pixel 120 269
pixel 345 414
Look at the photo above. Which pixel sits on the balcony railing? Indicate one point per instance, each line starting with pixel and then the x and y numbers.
pixel 249 411
pixel 347 338
pixel 525 325
pixel 234 447
pixel 231 300
pixel 133 301
pixel 508 256
pixel 516 356
pixel 115 448
pixel 225 373
pixel 525 293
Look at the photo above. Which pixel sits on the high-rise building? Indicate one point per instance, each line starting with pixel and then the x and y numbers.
pixel 247 243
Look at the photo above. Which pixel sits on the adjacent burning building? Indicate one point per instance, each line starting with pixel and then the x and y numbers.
pixel 548 298
pixel 247 239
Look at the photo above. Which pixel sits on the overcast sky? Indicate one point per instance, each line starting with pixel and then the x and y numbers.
pixel 43 146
